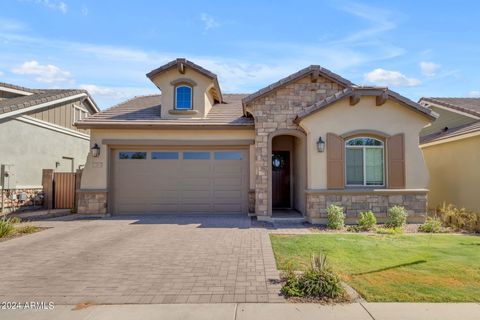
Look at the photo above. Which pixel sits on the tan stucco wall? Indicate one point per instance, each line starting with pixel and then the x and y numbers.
pixel 95 173
pixel 202 100
pixel 390 118
pixel 32 148
pixel 455 173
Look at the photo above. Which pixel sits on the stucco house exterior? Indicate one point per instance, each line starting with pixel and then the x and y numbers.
pixel 37 132
pixel 302 143
pixel 451 147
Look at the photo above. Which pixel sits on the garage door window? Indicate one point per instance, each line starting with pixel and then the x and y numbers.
pixel 132 155
pixel 165 155
pixel 228 155
pixel 196 155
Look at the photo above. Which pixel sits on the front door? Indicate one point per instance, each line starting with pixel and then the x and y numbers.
pixel 281 179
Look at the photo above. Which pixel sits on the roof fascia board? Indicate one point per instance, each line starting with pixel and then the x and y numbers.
pixel 17 91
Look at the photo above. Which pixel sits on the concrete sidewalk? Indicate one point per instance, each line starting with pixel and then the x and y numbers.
pixel 254 311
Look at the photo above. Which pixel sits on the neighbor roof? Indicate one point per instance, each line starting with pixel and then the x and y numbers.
pixel 365 91
pixel 181 63
pixel 145 111
pixel 39 96
pixel 313 69
pixel 451 133
pixel 467 105
pixel 15 87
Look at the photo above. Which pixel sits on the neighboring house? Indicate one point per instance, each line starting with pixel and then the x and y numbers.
pixel 37 132
pixel 302 143
pixel 451 147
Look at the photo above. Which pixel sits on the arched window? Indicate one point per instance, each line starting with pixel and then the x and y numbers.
pixel 183 97
pixel 364 162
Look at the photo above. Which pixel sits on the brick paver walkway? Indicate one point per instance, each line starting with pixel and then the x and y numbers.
pixel 189 259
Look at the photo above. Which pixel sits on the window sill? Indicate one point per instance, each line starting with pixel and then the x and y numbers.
pixel 182 112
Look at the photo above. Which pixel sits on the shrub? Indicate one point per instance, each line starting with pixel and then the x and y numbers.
pixel 459 218
pixel 319 281
pixel 386 230
pixel 335 217
pixel 431 225
pixel 396 217
pixel 15 220
pixel 6 227
pixel 26 229
pixel 367 220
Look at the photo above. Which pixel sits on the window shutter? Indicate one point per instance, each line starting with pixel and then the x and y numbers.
pixel 335 162
pixel 396 161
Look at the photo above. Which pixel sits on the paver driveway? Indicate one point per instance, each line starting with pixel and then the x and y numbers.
pixel 162 259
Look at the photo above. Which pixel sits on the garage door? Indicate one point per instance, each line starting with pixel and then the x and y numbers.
pixel 179 181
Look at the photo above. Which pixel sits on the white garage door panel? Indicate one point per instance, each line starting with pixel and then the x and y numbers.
pixel 180 185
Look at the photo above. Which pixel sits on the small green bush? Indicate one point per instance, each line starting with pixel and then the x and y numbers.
pixel 26 229
pixel 15 220
pixel 335 217
pixel 396 217
pixel 367 220
pixel 431 225
pixel 387 230
pixel 459 218
pixel 6 227
pixel 319 281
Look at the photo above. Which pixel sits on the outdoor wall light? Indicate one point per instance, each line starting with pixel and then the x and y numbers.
pixel 320 145
pixel 95 150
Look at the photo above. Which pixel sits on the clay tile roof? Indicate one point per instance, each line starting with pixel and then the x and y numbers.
pixel 297 75
pixel 467 105
pixel 450 133
pixel 20 88
pixel 38 97
pixel 146 110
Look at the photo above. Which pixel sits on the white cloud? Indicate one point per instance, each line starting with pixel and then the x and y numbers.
pixel 209 22
pixel 54 4
pixel 11 25
pixel 44 73
pixel 429 68
pixel 1 73
pixel 390 78
pixel 474 94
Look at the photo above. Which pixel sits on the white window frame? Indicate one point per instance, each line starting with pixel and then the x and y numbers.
pixel 191 96
pixel 364 162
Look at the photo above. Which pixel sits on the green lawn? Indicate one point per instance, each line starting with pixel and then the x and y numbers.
pixel 433 268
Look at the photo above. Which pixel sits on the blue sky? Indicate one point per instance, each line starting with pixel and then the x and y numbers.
pixel 417 48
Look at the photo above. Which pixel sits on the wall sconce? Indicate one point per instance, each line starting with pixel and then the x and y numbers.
pixel 320 145
pixel 95 150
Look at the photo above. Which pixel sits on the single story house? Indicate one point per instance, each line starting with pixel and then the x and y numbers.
pixel 302 143
pixel 37 132
pixel 451 147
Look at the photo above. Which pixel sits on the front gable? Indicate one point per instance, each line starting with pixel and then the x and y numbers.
pixel 188 90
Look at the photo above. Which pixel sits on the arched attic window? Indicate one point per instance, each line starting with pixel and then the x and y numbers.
pixel 183 97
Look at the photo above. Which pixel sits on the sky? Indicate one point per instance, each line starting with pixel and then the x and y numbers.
pixel 417 48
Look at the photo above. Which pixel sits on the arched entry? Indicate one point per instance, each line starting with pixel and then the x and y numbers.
pixel 287 169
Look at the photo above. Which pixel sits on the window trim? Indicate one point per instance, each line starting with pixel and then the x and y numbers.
pixel 176 87
pixel 363 147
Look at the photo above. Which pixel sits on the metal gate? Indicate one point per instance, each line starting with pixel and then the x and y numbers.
pixel 64 190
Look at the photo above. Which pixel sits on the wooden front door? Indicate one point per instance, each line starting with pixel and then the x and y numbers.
pixel 281 179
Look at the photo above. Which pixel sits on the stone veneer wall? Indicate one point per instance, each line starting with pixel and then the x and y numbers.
pixel 275 111
pixel 34 199
pixel 251 201
pixel 378 202
pixel 91 202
